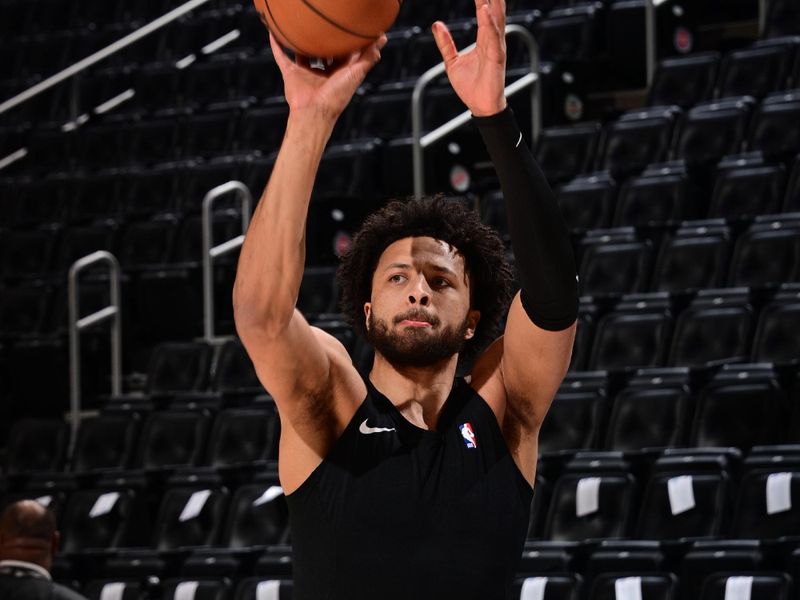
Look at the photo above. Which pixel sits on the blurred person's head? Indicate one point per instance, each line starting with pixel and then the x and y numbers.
pixel 28 533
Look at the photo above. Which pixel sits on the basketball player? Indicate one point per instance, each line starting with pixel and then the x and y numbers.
pixel 411 483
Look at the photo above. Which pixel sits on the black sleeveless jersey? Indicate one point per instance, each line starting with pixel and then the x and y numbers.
pixel 399 512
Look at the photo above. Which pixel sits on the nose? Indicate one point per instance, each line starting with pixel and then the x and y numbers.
pixel 420 293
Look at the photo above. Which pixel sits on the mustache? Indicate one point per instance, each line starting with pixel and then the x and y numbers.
pixel 417 314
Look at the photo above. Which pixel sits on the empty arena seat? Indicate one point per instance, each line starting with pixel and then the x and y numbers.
pixel 23 310
pixel 178 589
pixel 27 254
pixel 166 303
pixel 757 586
pixel 120 590
pixel 684 81
pixel 652 411
pixel 791 202
pixel 567 151
pixel 235 373
pixel 584 335
pixel 694 257
pixel 101 145
pixel 179 367
pixel 100 520
pixel 77 242
pixel 711 130
pixel 575 418
pixel 36 445
pixel 775 131
pixel 637 139
pixel 149 192
pixel 189 518
pixel 776 339
pixel 258 516
pixel 550 586
pixel 615 586
pixel 658 197
pixel 591 506
pixel 756 71
pixel 782 18
pixel 768 252
pixel 172 438
pixel 97 198
pixel 212 81
pixel 635 335
pixel 587 202
pixel 747 190
pixel 156 140
pixel 762 511
pixel 105 441
pixel 715 328
pixel 706 557
pixel 682 503
pixel 260 588
pixel 743 406
pixel 147 244
pixel 209 134
pixel 318 293
pixel 614 261
pixel 570 33
pixel 243 436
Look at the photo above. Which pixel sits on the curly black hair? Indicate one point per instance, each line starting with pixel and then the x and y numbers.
pixel 445 219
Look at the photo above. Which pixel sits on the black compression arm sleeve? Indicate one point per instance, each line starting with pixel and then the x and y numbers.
pixel 540 240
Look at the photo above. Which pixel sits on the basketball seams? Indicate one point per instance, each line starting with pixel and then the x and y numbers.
pixel 334 23
pixel 280 32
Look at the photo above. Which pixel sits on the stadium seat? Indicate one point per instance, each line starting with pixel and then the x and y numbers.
pixel 385 113
pixel 318 293
pixel 635 335
pixel 120 590
pixel 570 33
pixel 655 586
pixel 711 130
pixel 756 71
pixel 614 261
pixel 550 586
pixel 705 558
pixel 694 257
pixel 576 416
pixel 762 511
pixel 77 242
pixel 637 139
pixel 178 589
pixel 590 506
pixel 744 192
pixel 179 367
pixel 768 253
pixel 587 202
pixel 235 373
pixel 23 311
pixel 567 151
pixel 258 516
pixel 208 135
pixel 715 328
pixel 775 340
pixel 587 312
pixel 258 588
pixel 157 140
pixel 658 197
pixel 147 244
pixel 652 411
pixel 243 436
pixel 774 130
pixel 190 518
pixel 95 520
pixel 36 445
pixel 758 586
pixel 27 254
pixel 149 192
pixel 684 81
pixel 680 503
pixel 782 18
pixel 97 199
pixel 791 202
pixel 172 438
pixel 743 406
pixel 209 82
pixel 106 441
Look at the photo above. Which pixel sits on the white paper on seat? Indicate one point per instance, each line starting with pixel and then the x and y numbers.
pixel 268 590
pixel 738 588
pixel 269 495
pixel 45 500
pixel 104 504
pixel 628 588
pixel 112 591
pixel 533 588
pixel 587 497
pixel 185 590
pixel 779 493
pixel 194 505
pixel 681 494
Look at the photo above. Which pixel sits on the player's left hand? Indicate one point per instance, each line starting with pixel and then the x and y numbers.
pixel 478 76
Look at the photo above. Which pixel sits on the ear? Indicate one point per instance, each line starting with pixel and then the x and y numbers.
pixel 473 317
pixel 367 312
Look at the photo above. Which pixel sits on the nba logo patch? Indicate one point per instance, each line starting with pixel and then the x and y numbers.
pixel 469 436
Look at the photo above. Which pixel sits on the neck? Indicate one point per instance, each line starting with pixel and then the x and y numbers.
pixel 419 393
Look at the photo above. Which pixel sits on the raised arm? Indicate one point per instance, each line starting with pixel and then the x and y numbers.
pixel 527 365
pixel 307 372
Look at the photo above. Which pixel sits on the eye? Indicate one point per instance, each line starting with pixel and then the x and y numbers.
pixel 441 282
pixel 397 278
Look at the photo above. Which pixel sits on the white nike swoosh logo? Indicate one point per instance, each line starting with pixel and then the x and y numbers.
pixel 364 428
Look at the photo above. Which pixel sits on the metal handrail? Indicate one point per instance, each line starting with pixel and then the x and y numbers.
pixel 101 54
pixel 211 253
pixel 421 142
pixel 762 16
pixel 650 40
pixel 78 324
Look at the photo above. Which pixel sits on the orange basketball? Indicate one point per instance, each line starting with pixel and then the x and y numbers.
pixel 327 28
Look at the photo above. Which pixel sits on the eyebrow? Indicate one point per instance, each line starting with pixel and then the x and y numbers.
pixel 439 268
